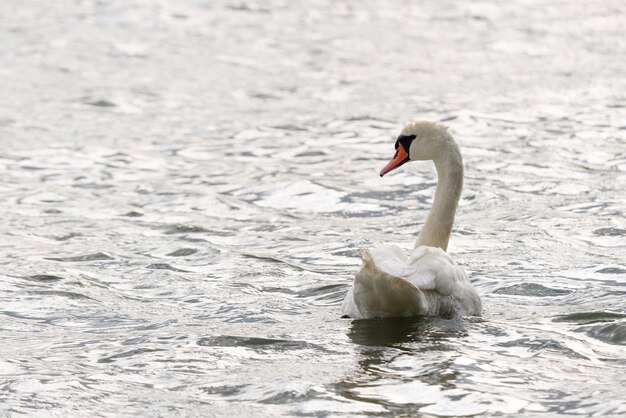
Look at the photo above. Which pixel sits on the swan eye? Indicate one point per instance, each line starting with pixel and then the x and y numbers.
pixel 405 141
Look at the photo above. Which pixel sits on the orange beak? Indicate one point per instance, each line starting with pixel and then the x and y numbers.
pixel 400 158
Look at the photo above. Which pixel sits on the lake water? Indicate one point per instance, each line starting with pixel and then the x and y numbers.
pixel 186 188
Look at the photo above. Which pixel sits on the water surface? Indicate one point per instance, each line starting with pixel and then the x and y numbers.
pixel 186 187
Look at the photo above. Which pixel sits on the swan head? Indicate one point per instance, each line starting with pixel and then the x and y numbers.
pixel 419 141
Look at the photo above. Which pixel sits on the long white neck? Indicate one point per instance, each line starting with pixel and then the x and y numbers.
pixel 438 225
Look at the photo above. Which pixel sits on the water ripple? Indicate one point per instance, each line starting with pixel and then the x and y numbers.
pixel 187 187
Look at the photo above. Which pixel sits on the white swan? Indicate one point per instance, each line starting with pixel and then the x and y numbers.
pixel 426 282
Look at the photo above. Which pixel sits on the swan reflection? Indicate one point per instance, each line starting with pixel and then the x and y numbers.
pixel 402 361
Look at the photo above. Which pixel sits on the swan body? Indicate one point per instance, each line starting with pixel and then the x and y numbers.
pixel 426 282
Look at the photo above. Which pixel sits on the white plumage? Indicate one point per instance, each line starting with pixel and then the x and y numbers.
pixel 426 282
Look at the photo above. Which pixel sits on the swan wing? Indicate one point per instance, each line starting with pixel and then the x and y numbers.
pixel 445 284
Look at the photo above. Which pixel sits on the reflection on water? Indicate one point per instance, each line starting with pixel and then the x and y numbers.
pixel 398 332
pixel 387 332
pixel 186 188
pixel 386 372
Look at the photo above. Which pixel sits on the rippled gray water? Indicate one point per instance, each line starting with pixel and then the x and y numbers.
pixel 186 187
